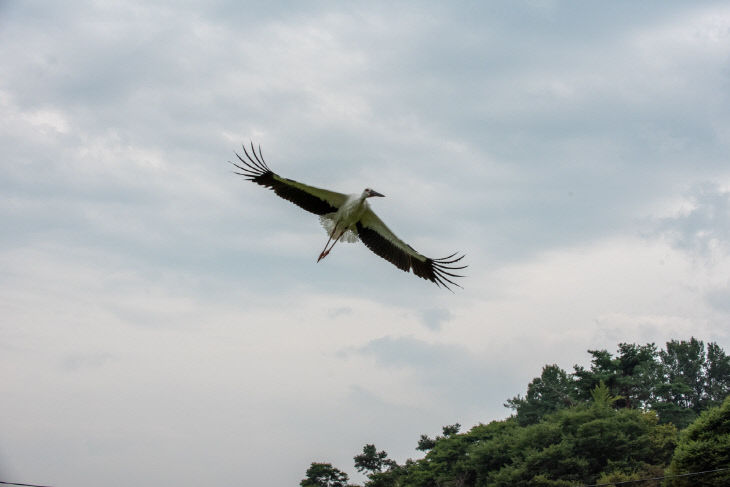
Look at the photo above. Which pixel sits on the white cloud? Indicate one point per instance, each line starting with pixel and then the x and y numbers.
pixel 48 119
pixel 703 224
pixel 589 296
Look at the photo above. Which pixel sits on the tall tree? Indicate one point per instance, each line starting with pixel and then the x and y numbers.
pixel 681 395
pixel 553 390
pixel 684 363
pixel 603 369
pixel 371 460
pixel 638 372
pixel 324 475
pixel 632 374
pixel 717 375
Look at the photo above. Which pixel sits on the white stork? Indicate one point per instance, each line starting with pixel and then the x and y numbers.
pixel 347 218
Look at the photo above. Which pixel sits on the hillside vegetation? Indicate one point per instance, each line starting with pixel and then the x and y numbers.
pixel 643 413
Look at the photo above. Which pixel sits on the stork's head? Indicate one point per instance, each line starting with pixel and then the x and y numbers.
pixel 370 192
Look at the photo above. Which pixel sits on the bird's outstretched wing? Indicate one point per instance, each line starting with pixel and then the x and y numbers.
pixel 381 240
pixel 316 200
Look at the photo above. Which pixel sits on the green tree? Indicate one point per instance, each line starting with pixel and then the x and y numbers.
pixel 717 375
pixel 703 446
pixel 425 443
pixel 371 460
pixel 681 396
pixel 684 362
pixel 492 445
pixel 575 445
pixel 677 382
pixel 602 397
pixel 324 475
pixel 603 369
pixel 638 372
pixel 553 390
pixel 638 478
pixel 614 422
pixel 451 429
pixel 632 375
pixel 391 477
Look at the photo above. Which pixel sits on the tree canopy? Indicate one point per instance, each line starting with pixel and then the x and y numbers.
pixel 704 446
pixel 324 475
pixel 678 382
pixel 623 419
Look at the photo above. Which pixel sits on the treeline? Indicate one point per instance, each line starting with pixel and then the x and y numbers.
pixel 678 382
pixel 643 413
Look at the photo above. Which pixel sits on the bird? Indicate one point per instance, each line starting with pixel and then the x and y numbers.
pixel 349 218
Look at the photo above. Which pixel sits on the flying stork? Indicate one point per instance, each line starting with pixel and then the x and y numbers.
pixel 349 218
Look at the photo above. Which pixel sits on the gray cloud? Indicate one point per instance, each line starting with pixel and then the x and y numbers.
pixel 435 317
pixel 79 361
pixel 719 298
pixel 135 259
pixel 705 226
pixel 460 377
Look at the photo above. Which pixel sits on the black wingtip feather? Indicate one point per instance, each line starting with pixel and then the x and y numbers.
pixel 437 271
pixel 253 167
pixel 442 266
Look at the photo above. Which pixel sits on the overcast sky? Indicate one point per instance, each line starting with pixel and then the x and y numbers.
pixel 164 322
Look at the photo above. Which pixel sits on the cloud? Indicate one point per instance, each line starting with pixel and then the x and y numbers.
pixel 342 311
pixel 719 297
pixel 159 303
pixel 433 318
pixel 79 361
pixel 455 379
pixel 703 226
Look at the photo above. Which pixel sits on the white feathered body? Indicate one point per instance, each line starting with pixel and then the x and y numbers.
pixel 341 224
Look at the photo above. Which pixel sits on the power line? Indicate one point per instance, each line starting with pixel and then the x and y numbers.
pixel 23 485
pixel 623 482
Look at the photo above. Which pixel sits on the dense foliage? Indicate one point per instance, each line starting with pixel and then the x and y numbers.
pixel 324 475
pixel 617 421
pixel 704 446
pixel 677 383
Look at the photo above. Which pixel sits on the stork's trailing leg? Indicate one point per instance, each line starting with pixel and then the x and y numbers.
pixel 327 250
pixel 324 250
